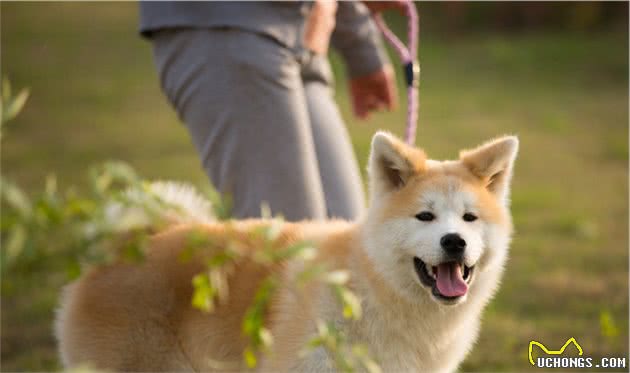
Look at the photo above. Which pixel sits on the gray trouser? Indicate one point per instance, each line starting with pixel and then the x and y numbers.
pixel 263 121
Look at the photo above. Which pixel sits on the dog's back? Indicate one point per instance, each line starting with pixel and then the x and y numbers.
pixel 138 317
pixel 119 317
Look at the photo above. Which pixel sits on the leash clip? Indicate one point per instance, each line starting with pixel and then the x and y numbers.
pixel 412 73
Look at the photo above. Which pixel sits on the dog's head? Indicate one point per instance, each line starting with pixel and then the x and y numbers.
pixel 435 228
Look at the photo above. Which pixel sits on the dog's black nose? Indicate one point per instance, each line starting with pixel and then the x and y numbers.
pixel 453 243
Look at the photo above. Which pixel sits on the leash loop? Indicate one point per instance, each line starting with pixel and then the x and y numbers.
pixel 411 66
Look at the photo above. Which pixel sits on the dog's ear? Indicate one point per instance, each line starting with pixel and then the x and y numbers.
pixel 392 163
pixel 493 162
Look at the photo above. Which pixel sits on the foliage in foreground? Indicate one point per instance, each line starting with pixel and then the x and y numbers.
pixel 65 232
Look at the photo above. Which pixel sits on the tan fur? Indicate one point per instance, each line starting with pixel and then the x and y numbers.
pixel 127 317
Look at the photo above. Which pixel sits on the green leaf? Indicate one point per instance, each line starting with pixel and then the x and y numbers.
pixel 314 342
pixel 221 205
pixel 121 171
pixel 607 325
pixel 197 238
pixel 51 185
pixel 6 90
pixel 250 324
pixel 82 208
pixel 311 272
pixel 250 358
pixel 73 270
pixel 133 251
pixel 15 244
pixel 302 249
pixel 15 198
pixel 274 230
pixel 48 211
pixel 203 293
pixel 110 173
pixel 351 304
pixel 101 182
pixel 14 107
pixel 220 259
pixel 265 211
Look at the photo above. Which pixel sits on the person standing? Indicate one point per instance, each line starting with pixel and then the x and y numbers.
pixel 253 85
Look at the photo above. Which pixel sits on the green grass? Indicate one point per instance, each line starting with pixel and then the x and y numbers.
pixel 95 96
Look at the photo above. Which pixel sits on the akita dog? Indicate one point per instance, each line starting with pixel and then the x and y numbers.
pixel 424 260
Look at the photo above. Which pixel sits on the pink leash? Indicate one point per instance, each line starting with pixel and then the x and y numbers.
pixel 411 66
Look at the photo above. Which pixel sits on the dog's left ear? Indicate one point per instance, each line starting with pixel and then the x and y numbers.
pixel 493 162
pixel 392 163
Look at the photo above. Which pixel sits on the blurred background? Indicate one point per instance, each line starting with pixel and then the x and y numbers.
pixel 555 74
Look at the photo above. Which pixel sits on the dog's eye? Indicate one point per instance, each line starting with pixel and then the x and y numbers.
pixel 469 217
pixel 425 216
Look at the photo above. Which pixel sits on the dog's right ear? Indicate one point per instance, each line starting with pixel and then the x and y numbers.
pixel 492 163
pixel 392 163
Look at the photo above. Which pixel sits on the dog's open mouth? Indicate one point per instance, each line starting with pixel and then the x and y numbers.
pixel 448 281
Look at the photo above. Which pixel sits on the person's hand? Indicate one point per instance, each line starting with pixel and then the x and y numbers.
pixel 373 91
pixel 380 6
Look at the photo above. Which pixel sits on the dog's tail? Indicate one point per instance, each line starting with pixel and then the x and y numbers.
pixel 157 204
pixel 183 203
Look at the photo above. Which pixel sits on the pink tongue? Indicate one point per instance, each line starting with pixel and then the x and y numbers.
pixel 449 279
